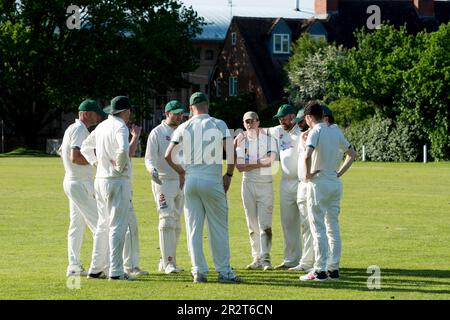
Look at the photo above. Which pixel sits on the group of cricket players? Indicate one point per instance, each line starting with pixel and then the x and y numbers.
pixel 185 163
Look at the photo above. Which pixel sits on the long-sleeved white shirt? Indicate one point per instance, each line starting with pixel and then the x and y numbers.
pixel 106 145
pixel 157 143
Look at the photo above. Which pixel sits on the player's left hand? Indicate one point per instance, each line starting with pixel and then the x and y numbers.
pixel 135 130
pixel 226 182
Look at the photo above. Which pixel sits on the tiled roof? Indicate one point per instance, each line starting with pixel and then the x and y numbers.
pixel 218 18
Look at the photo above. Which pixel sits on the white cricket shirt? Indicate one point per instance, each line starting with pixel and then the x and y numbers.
pixel 288 149
pixel 157 143
pixel 107 143
pixel 201 141
pixel 329 145
pixel 251 150
pixel 73 138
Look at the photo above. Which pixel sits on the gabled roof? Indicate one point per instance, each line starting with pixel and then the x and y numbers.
pixel 256 33
pixel 352 15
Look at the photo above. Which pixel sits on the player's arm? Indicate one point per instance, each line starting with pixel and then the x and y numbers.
pixel 178 169
pixel 151 152
pixel 230 151
pixel 76 157
pixel 88 149
pixel 122 154
pixel 135 133
pixel 307 160
pixel 350 156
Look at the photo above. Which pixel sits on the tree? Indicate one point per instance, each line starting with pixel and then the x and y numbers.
pixel 136 48
pixel 373 71
pixel 310 70
pixel 426 92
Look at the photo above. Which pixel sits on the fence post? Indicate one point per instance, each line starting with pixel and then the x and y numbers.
pixel 363 153
pixel 424 153
pixel 3 138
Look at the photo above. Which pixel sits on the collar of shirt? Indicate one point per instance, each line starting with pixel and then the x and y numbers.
pixel 78 121
pixel 116 118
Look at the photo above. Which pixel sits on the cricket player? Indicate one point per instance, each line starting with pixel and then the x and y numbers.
pixel 107 147
pixel 202 140
pixel 255 155
pixel 324 148
pixel 307 260
pixel 287 135
pixel 79 183
pixel 166 186
pixel 131 246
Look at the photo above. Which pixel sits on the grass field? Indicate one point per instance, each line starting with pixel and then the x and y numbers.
pixel 395 216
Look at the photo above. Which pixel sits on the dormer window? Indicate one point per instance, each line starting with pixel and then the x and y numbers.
pixel 281 43
pixel 233 38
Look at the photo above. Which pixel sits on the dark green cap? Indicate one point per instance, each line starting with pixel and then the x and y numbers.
pixel 118 104
pixel 174 106
pixel 284 110
pixel 326 111
pixel 90 105
pixel 300 116
pixel 198 97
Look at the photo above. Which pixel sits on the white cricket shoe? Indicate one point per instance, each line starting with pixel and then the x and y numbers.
pixel 256 264
pixel 300 268
pixel 136 272
pixel 266 265
pixel 170 268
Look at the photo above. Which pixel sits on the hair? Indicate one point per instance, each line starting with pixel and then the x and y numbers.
pixel 202 106
pixel 313 108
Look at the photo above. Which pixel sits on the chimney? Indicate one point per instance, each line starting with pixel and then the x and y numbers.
pixel 425 8
pixel 324 8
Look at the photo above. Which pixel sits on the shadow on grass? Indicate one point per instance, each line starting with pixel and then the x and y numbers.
pixel 23 152
pixel 392 280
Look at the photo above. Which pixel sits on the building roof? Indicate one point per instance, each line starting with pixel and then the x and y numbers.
pixel 256 33
pixel 218 16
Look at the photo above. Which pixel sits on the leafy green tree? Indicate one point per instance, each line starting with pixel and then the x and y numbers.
pixel 130 47
pixel 310 70
pixel 373 71
pixel 347 110
pixel 426 92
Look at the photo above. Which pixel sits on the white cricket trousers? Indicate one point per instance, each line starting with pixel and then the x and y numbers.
pixel 323 197
pixel 290 221
pixel 206 199
pixel 131 245
pixel 258 206
pixel 169 202
pixel 83 211
pixel 113 203
pixel 307 259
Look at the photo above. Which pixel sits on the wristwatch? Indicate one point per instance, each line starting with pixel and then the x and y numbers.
pixel 229 174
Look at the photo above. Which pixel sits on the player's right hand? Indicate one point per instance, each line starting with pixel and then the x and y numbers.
pixel 155 176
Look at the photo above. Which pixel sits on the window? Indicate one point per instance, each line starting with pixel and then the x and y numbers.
pixel 318 37
pixel 232 86
pixel 218 88
pixel 233 38
pixel 209 54
pixel 281 43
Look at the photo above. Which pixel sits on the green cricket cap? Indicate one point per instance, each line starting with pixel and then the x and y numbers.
pixel 198 97
pixel 284 110
pixel 118 104
pixel 91 105
pixel 174 106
